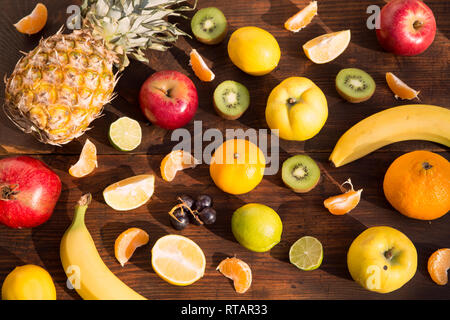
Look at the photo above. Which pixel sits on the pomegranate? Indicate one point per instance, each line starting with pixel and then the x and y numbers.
pixel 29 191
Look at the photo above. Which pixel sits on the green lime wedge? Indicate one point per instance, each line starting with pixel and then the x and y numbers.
pixel 306 253
pixel 125 134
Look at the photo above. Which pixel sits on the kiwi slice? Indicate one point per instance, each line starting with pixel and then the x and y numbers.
pixel 209 25
pixel 355 85
pixel 231 99
pixel 300 173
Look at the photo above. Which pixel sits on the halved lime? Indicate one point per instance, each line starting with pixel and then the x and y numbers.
pixel 125 134
pixel 306 253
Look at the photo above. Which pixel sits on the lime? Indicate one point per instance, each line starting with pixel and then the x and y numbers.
pixel 125 134
pixel 306 253
pixel 256 227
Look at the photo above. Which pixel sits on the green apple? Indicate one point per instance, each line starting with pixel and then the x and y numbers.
pixel 382 259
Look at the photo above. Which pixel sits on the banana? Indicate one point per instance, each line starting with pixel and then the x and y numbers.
pixel 408 122
pixel 84 267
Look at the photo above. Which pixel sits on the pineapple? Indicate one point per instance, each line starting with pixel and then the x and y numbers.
pixel 62 85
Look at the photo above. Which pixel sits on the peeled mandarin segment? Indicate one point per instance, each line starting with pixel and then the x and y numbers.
pixel 200 68
pixel 130 193
pixel 127 242
pixel 302 18
pixel 343 203
pixel 175 161
pixel 34 22
pixel 399 88
pixel 327 47
pixel 438 265
pixel 238 271
pixel 178 260
pixel 87 162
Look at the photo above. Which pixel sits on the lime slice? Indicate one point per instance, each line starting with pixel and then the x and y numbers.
pixel 130 193
pixel 306 253
pixel 125 134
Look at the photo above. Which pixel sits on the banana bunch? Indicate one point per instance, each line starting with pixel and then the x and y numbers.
pixel 408 122
pixel 84 267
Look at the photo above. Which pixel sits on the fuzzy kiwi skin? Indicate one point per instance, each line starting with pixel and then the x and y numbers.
pixel 218 40
pixel 351 99
pixel 226 116
pixel 304 190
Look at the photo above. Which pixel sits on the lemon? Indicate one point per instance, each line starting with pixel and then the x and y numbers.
pixel 306 253
pixel 257 227
pixel 178 260
pixel 327 47
pixel 28 282
pixel 254 50
pixel 130 193
pixel 125 134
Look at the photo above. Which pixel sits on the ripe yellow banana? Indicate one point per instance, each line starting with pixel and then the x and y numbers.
pixel 83 265
pixel 408 122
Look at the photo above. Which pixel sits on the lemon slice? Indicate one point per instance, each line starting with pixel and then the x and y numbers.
pixel 125 134
pixel 327 47
pixel 130 193
pixel 178 260
pixel 306 253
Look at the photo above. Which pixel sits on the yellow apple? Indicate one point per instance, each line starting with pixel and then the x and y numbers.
pixel 297 108
pixel 382 259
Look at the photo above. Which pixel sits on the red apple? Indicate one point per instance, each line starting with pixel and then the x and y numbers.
pixel 168 99
pixel 29 191
pixel 407 27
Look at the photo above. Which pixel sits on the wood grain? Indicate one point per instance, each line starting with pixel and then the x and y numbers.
pixel 273 276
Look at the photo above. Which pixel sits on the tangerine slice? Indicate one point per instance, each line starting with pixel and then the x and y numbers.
pixel 238 271
pixel 343 203
pixel 34 22
pixel 438 265
pixel 399 88
pixel 327 47
pixel 127 242
pixel 87 162
pixel 302 18
pixel 175 161
pixel 200 68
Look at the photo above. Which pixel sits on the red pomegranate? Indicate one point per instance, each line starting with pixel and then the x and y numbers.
pixel 29 191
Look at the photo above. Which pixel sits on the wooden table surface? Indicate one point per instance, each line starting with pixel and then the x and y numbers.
pixel 273 276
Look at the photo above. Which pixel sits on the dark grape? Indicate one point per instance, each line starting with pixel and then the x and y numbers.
pixel 181 224
pixel 208 215
pixel 203 201
pixel 187 200
pixel 193 220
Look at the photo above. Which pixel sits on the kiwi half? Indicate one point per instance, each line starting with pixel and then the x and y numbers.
pixel 300 173
pixel 231 99
pixel 355 85
pixel 209 25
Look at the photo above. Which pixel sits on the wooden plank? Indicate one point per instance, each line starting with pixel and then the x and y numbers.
pixel 274 277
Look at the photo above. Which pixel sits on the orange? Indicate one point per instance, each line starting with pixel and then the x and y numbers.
pixel 175 161
pixel 178 260
pixel 237 166
pixel 87 162
pixel 343 203
pixel 127 242
pixel 238 271
pixel 201 69
pixel 417 184
pixel 327 47
pixel 302 18
pixel 399 88
pixel 34 22
pixel 438 265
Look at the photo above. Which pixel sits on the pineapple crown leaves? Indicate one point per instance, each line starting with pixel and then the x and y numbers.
pixel 129 27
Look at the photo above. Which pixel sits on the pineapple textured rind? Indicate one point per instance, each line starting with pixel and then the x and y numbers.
pixel 61 86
